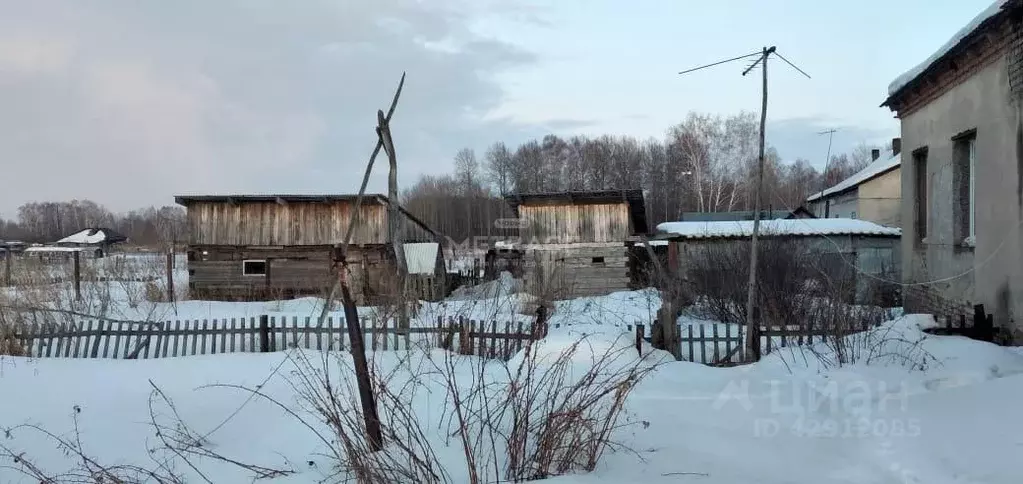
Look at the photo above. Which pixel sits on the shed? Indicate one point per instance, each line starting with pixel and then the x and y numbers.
pixel 576 243
pixel 274 246
pixel 841 248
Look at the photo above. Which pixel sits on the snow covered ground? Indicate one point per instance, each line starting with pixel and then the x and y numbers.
pixel 912 408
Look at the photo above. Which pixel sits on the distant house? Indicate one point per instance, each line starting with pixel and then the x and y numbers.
pixel 873 193
pixel 275 246
pixel 962 174
pixel 99 239
pixel 799 212
pixel 12 247
pixel 575 244
pixel 861 250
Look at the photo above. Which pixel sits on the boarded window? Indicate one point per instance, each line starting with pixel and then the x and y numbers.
pixel 963 179
pixel 254 267
pixel 920 187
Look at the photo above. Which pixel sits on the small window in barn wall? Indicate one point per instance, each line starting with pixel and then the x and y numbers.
pixel 254 267
pixel 598 261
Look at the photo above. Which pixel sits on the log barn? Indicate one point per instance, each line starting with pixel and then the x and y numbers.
pixel 251 247
pixel 576 244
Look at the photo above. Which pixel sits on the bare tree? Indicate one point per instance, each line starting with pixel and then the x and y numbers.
pixel 499 167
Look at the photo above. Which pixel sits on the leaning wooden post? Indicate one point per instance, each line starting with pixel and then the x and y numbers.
pixel 395 221
pixel 78 274
pixel 170 275
pixel 7 267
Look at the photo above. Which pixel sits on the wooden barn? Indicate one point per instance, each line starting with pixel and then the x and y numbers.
pixel 576 244
pixel 244 247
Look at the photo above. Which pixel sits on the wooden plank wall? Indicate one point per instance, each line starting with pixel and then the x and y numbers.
pixel 292 223
pixel 569 272
pixel 567 223
pixel 293 271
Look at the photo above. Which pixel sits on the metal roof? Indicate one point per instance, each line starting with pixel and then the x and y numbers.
pixel 801 227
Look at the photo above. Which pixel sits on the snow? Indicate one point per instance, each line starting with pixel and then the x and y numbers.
pixel 786 419
pixel 744 228
pixel 86 236
pixel 911 74
pixel 53 249
pixel 879 166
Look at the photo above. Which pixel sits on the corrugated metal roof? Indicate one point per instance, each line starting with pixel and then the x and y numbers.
pixel 788 227
pixel 421 257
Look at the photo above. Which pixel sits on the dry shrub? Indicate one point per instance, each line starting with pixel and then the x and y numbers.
pixel 83 468
pixel 547 416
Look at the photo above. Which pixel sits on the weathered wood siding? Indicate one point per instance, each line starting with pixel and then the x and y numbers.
pixel 572 223
pixel 569 272
pixel 215 272
pixel 290 224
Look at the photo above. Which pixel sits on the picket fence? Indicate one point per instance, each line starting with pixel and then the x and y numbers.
pixel 726 347
pixel 168 339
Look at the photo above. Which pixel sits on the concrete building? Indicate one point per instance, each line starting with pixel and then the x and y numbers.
pixel 873 194
pixel 962 183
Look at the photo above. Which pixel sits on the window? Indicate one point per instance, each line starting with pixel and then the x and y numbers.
pixel 598 260
pixel 254 267
pixel 920 187
pixel 964 153
pixel 852 215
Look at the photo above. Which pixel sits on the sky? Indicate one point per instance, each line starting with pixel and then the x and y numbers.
pixel 130 102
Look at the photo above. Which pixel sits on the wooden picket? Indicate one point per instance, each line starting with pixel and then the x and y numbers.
pixel 174 338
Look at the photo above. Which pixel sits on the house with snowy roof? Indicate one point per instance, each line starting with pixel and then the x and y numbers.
pixel 873 193
pixel 961 116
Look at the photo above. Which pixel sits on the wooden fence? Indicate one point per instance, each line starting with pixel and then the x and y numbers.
pixel 132 340
pixel 726 346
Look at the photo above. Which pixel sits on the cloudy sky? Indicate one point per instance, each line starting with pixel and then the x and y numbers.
pixel 128 102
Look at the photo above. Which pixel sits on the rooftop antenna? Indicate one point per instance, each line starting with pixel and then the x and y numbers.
pixel 752 345
pixel 827 161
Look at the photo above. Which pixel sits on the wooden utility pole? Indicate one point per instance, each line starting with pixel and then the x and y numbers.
pixel 752 325
pixel 170 275
pixel 752 345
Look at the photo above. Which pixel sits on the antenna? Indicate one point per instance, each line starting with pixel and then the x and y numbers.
pixel 752 343
pixel 827 161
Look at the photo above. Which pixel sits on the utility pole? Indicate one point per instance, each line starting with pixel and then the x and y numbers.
pixel 752 343
pixel 827 161
pixel 752 321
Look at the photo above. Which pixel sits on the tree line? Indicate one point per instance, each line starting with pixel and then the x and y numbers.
pixel 44 222
pixel 706 163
